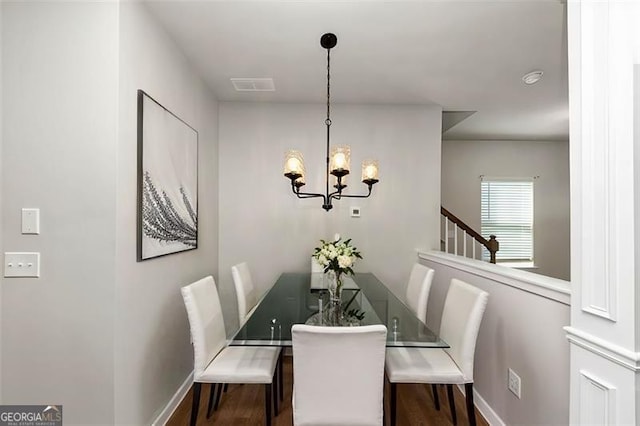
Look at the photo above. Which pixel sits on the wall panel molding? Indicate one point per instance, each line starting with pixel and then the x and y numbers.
pixel 604 349
pixel 597 401
pixel 599 292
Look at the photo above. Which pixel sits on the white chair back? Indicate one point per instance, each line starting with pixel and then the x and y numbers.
pixel 338 375
pixel 315 266
pixel 461 317
pixel 206 322
pixel 418 290
pixel 245 290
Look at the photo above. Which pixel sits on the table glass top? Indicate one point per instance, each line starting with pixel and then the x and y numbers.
pixel 299 298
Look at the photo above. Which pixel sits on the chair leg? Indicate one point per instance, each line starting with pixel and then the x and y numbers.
pixel 196 402
pixel 274 385
pixel 452 403
pixel 212 396
pixel 280 376
pixel 218 396
pixel 226 386
pixel 384 403
pixel 471 411
pixel 267 402
pixel 436 398
pixel 393 403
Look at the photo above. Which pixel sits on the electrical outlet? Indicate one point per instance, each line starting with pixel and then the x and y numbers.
pixel 514 383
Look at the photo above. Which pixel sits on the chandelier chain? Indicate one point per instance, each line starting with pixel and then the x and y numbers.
pixel 328 120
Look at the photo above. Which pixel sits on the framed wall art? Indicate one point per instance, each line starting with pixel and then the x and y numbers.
pixel 167 181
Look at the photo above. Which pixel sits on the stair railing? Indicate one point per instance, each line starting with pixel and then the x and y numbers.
pixel 450 220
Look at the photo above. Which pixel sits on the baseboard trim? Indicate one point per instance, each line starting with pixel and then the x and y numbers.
pixel 484 408
pixel 173 403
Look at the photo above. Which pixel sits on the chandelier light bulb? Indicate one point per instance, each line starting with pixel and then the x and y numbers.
pixel 340 159
pixel 293 164
pixel 370 171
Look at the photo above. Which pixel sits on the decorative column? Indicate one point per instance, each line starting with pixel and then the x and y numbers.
pixel 604 97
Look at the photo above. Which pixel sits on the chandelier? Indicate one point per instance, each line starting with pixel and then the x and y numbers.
pixel 338 157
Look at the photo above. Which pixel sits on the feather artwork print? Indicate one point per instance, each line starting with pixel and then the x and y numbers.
pixel 162 222
pixel 167 181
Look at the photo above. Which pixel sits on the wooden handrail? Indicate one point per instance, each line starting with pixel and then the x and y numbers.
pixel 491 244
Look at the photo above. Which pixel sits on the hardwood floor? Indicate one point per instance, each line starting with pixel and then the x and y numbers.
pixel 244 405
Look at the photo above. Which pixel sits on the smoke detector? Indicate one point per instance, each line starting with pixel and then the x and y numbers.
pixel 533 77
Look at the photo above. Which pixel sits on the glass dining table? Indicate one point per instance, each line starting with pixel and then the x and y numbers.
pixel 302 298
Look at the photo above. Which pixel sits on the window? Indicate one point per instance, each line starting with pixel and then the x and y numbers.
pixel 507 213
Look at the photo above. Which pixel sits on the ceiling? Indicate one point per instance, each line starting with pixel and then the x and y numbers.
pixel 461 55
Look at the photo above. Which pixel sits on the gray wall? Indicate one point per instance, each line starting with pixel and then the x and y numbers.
pixel 59 107
pixel 153 354
pixel 522 331
pixel 103 335
pixel 464 161
pixel 262 222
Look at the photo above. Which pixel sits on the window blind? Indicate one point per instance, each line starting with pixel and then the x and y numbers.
pixel 507 213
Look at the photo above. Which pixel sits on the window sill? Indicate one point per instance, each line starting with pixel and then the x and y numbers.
pixel 519 265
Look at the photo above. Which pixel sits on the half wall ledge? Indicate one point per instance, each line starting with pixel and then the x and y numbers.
pixel 541 285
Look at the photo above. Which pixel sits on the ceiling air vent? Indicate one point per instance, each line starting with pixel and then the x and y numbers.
pixel 253 84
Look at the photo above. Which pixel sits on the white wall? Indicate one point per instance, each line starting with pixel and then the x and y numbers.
pixel 153 354
pixel 463 162
pixel 262 222
pixel 1 198
pixel 59 110
pixel 103 335
pixel 520 330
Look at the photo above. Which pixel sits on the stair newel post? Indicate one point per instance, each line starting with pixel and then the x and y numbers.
pixel 493 246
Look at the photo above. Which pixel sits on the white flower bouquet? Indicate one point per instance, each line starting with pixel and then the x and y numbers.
pixel 337 255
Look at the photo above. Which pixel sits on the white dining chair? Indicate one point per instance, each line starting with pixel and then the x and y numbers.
pixel 338 375
pixel 214 361
pixel 247 297
pixel 246 292
pixel 461 317
pixel 418 289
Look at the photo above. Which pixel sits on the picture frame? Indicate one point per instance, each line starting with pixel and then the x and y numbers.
pixel 167 207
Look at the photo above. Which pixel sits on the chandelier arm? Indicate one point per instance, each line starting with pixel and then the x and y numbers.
pixel 337 195
pixel 306 194
pixel 309 195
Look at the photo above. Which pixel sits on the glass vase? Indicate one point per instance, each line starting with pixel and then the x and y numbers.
pixel 334 285
pixel 334 311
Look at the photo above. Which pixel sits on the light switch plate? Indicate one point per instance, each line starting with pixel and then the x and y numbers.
pixel 22 265
pixel 355 211
pixel 30 221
